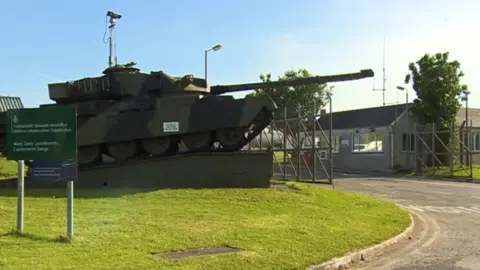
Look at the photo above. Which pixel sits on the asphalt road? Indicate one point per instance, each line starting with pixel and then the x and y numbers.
pixel 447 218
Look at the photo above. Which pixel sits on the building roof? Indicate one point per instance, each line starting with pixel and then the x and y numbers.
pixel 8 102
pixel 382 116
pixel 363 118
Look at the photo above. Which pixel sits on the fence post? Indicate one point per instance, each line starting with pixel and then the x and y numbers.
pixel 314 150
pixel 272 129
pixel 299 152
pixel 451 148
pixel 285 143
pixel 433 149
pixel 418 150
pixel 261 141
pixel 330 150
pixel 470 150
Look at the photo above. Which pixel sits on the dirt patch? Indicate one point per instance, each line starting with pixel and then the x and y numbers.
pixel 177 255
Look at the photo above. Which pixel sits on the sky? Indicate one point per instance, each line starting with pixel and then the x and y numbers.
pixel 54 41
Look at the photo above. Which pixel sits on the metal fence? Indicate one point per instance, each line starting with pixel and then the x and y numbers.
pixel 302 149
pixel 448 152
pixel 305 151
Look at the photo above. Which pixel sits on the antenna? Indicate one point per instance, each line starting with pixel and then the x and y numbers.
pixel 111 39
pixel 384 78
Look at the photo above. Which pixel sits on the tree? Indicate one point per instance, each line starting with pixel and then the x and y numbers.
pixel 437 84
pixel 436 81
pixel 308 98
pixel 304 99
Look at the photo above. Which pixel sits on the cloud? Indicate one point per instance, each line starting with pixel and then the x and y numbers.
pixel 341 54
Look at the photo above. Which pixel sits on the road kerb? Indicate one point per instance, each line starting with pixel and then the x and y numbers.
pixel 356 256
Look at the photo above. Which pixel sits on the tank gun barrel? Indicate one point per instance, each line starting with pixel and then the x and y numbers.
pixel 220 89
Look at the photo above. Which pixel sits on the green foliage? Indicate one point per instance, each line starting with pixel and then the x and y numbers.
pixel 309 98
pixel 436 80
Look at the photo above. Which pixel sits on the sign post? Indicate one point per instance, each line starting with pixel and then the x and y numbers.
pixel 48 137
pixel 20 196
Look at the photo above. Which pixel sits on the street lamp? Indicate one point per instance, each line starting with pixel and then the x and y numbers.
pixel 465 98
pixel 469 159
pixel 401 88
pixel 409 137
pixel 214 48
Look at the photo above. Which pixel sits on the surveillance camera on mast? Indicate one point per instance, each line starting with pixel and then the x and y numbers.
pixel 112 46
pixel 113 15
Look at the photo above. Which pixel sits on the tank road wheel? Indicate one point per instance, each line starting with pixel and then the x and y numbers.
pixel 88 154
pixel 157 146
pixel 122 150
pixel 230 137
pixel 198 141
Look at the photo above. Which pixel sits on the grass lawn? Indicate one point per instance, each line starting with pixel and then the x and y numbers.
pixel 278 228
pixel 458 172
pixel 278 157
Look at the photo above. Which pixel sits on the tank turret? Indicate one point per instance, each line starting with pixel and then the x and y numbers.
pixel 127 82
pixel 124 82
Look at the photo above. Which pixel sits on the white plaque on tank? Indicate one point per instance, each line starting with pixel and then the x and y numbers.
pixel 170 127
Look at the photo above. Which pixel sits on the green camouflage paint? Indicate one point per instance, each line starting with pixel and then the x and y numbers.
pixel 130 115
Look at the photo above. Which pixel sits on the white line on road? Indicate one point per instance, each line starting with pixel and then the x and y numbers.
pixel 445 209
pixel 471 210
pixel 441 192
pixel 415 208
pixel 425 181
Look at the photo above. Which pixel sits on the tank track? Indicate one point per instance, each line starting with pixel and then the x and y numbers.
pixel 253 132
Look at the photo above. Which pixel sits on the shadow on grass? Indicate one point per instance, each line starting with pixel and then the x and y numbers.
pixel 60 239
pixel 82 193
pixel 87 193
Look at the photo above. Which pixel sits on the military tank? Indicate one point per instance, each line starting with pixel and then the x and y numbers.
pixel 127 114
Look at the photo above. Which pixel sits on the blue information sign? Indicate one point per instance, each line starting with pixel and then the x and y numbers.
pixel 54 170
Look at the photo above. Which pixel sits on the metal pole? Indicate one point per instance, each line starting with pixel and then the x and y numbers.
pixel 299 146
pixel 433 149
pixel 330 151
pixel 206 52
pixel 470 154
pixel 272 125
pixel 20 196
pixel 70 209
pixel 285 143
pixel 261 142
pixel 314 149
pixel 409 137
pixel 468 131
pixel 110 46
pixel 450 146
pixel 418 154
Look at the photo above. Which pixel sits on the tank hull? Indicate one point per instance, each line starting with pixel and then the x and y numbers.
pixel 133 129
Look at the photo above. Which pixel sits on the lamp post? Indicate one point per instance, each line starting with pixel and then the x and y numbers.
pixel 401 88
pixel 214 48
pixel 409 136
pixel 465 98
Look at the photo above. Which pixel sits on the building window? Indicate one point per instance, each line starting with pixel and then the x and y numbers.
pixel 475 142
pixel 408 142
pixel 367 142
pixel 322 143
